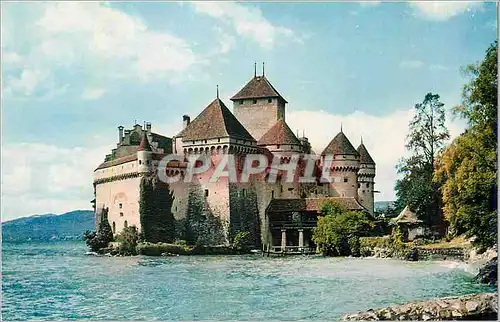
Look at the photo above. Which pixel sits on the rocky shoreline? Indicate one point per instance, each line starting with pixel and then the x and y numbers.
pixel 482 306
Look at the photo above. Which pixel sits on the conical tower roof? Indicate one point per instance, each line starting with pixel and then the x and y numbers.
pixel 144 145
pixel 215 121
pixel 258 87
pixel 364 156
pixel 279 133
pixel 340 145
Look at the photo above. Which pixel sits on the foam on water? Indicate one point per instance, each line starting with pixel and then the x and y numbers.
pixel 57 281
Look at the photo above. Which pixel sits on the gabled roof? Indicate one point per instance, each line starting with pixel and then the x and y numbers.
pixel 364 156
pixel 257 87
pixel 279 133
pixel 406 216
pixel 144 145
pixel 215 121
pixel 340 145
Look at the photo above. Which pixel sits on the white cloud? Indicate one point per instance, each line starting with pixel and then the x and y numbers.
pixel 226 41
pixel 93 93
pixel 384 137
pixel 443 10
pixel 411 64
pixel 42 178
pixel 246 20
pixel 26 83
pixel 11 58
pixel 90 36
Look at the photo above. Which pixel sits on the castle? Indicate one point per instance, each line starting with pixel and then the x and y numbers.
pixel 278 213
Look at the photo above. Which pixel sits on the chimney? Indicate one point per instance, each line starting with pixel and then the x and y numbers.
pixel 148 127
pixel 120 134
pixel 185 121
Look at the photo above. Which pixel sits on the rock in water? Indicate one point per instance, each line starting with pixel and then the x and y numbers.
pixel 488 273
pixel 413 255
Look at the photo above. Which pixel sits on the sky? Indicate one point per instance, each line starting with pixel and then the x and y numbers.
pixel 73 71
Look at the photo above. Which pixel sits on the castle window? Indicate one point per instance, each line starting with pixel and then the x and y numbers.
pixel 206 192
pixel 346 179
pixel 254 102
pixel 368 185
pixel 270 100
pixel 125 224
pixel 140 161
pixel 359 185
pixel 218 140
pixel 121 214
pixel 114 227
pixel 281 189
pixel 120 205
pixel 278 146
pixel 241 102
pixel 205 141
pixel 363 191
pixel 272 194
pixel 243 192
pixel 175 208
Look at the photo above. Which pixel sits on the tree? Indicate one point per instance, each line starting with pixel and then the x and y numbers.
pixel 155 209
pixel 128 241
pixel 426 138
pixel 467 169
pixel 101 239
pixel 337 232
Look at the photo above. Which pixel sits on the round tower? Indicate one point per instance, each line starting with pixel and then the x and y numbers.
pixel 144 155
pixel 366 179
pixel 344 166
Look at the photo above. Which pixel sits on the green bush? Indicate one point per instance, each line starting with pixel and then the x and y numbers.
pixel 241 240
pixel 335 230
pixel 128 241
pixel 101 239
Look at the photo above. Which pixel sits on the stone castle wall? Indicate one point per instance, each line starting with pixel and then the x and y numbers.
pixel 260 117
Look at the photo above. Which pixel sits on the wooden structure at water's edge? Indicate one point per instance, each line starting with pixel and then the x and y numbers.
pixel 268 250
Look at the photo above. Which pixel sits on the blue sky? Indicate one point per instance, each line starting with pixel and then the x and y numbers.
pixel 73 72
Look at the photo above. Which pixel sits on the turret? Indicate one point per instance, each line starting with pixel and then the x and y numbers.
pixel 344 167
pixel 120 134
pixel 258 105
pixel 366 176
pixel 144 155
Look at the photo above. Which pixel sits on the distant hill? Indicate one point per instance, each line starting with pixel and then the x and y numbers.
pixel 70 225
pixel 382 205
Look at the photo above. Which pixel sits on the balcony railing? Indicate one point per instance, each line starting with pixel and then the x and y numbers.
pixel 284 224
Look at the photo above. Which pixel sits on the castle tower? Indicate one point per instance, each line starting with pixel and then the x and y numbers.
pixel 258 106
pixel 144 155
pixel 280 138
pixel 344 167
pixel 366 177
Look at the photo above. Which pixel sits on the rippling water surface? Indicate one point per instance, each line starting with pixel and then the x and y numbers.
pixel 56 280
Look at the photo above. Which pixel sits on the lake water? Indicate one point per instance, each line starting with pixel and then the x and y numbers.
pixel 56 280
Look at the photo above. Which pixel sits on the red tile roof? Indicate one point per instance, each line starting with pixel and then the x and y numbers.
pixel 340 145
pixel 257 87
pixel 144 145
pixel 364 156
pixel 215 121
pixel 279 133
pixel 311 204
